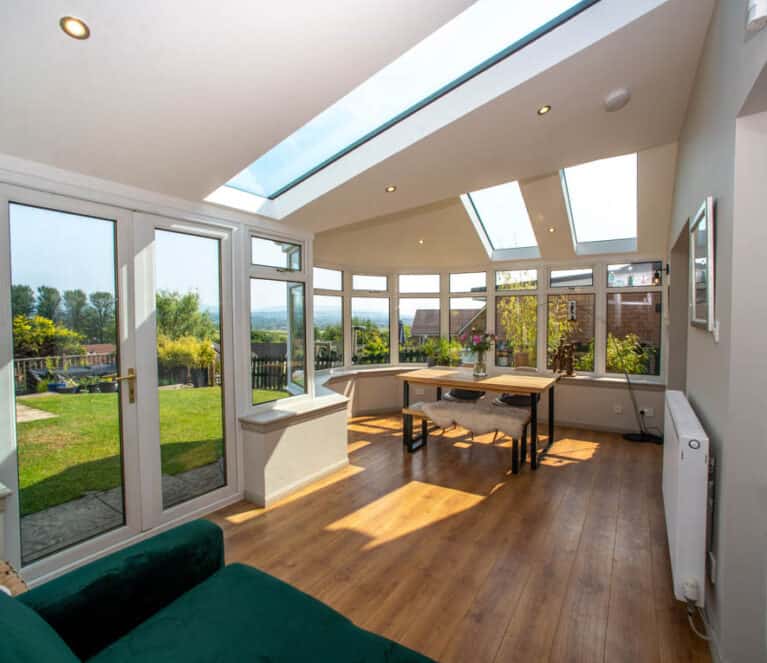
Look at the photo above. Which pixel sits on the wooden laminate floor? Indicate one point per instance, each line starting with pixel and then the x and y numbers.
pixel 449 553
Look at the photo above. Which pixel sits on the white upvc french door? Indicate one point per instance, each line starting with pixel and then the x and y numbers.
pixel 95 450
pixel 179 259
pixel 53 448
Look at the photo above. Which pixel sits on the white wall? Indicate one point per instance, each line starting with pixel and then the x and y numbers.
pixel 720 374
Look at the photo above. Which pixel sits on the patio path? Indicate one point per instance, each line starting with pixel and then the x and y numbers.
pixel 25 414
pixel 64 525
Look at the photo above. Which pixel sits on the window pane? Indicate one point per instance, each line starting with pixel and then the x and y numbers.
pixel 502 212
pixel 328 279
pixel 271 253
pixel 418 283
pixel 468 282
pixel 328 331
pixel 466 315
pixel 418 322
pixel 370 330
pixel 369 282
pixel 571 278
pixel 571 320
pixel 516 328
pixel 634 332
pixel 522 279
pixel 603 198
pixel 485 31
pixel 189 355
pixel 277 339
pixel 68 436
pixel 634 274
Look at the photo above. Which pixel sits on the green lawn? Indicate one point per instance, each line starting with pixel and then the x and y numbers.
pixel 63 458
pixel 266 395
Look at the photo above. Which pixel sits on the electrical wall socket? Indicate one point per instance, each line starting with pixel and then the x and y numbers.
pixel 618 408
pixel 647 412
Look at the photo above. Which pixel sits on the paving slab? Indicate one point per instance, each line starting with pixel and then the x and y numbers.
pixel 25 414
pixel 64 525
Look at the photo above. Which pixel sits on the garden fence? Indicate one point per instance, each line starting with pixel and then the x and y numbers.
pixel 271 374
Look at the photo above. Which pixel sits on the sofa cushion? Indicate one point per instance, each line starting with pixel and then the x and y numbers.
pixel 25 637
pixel 96 604
pixel 241 614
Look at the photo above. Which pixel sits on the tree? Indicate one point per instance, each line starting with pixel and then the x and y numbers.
pixel 626 355
pixel 75 305
pixel 49 303
pixel 101 317
pixel 41 337
pixel 22 300
pixel 518 317
pixel 179 315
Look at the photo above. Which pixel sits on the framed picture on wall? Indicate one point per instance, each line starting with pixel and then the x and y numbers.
pixel 702 266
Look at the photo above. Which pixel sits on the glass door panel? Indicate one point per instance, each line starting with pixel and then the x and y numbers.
pixel 189 366
pixel 66 359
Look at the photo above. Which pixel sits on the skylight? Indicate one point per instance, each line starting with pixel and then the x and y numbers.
pixel 479 37
pixel 602 203
pixel 502 213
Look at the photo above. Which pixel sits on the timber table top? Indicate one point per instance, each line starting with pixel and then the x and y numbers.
pixel 463 379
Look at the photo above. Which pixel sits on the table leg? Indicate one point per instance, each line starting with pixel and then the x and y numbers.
pixel 405 393
pixel 534 431
pixel 551 416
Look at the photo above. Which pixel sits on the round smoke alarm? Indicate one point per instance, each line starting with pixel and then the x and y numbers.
pixel 617 99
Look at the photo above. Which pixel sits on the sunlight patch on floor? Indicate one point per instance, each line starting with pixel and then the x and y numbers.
pixel 405 510
pixel 359 444
pixel 568 451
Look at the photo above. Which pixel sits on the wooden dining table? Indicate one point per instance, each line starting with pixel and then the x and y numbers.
pixel 508 383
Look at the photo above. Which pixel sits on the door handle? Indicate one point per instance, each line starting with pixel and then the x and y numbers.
pixel 131 380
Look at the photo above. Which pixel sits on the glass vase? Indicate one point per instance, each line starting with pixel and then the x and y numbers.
pixel 480 366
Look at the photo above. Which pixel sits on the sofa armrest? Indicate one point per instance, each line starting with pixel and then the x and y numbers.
pixel 100 602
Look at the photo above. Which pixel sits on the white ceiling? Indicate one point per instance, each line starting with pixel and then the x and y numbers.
pixel 178 102
pixel 656 57
pixel 177 96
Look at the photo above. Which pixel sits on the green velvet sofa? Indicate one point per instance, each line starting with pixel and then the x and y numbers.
pixel 171 598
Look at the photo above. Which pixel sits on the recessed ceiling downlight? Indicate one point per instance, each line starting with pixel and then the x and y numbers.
pixel 391 188
pixel 544 109
pixel 75 27
pixel 617 99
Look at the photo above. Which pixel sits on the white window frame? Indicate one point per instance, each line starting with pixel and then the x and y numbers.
pixel 304 275
pixel 541 308
pixel 637 289
pixel 598 316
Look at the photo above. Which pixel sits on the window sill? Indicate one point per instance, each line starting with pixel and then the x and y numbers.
pixel 281 414
pixel 613 382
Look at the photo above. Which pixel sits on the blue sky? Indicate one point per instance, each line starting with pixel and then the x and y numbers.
pixel 61 250
pixel 69 252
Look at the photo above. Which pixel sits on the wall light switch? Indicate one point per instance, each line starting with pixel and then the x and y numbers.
pixel 618 408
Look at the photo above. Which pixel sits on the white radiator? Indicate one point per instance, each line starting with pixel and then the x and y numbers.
pixel 685 495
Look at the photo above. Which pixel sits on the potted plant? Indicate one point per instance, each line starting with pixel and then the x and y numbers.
pixel 441 352
pixel 107 385
pixel 89 384
pixel 478 343
pixel 70 387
